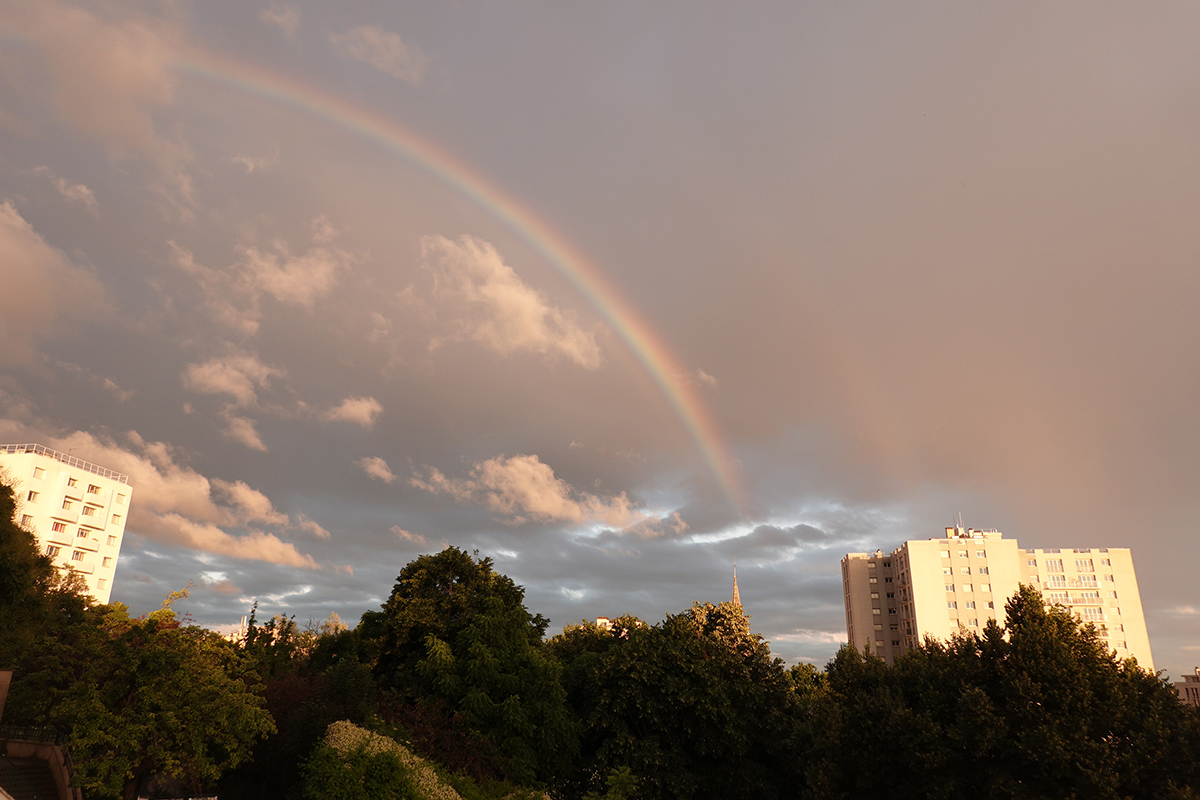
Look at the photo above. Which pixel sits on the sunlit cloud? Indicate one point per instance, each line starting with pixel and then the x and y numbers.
pixel 486 302
pixel 75 192
pixel 384 51
pixel 359 410
pixel 377 468
pixel 282 15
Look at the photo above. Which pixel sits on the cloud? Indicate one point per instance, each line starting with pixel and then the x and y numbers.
pixel 524 489
pixel 704 377
pixel 491 305
pixel 38 284
pixel 281 15
pixel 657 527
pixel 235 294
pixel 407 536
pixel 238 374
pixel 243 431
pixel 377 468
pixel 253 163
pixel 253 505
pixel 311 527
pixel 72 191
pixel 107 73
pixel 173 503
pixel 359 410
pixel 382 50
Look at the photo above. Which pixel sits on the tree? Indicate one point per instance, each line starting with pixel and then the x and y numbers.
pixel 456 631
pixel 1037 709
pixel 694 706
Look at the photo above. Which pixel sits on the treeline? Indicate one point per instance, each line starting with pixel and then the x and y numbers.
pixel 452 689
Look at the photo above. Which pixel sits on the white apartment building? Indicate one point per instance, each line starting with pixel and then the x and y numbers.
pixel 937 587
pixel 76 509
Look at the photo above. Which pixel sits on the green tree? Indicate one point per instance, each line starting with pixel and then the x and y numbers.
pixel 694 707
pixel 454 630
pixel 1037 709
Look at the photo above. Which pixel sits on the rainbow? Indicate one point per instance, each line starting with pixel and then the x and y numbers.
pixel 646 345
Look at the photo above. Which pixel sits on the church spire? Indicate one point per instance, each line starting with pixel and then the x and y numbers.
pixel 737 598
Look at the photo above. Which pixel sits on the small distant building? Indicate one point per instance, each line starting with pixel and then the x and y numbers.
pixel 604 623
pixel 937 587
pixel 76 509
pixel 1189 689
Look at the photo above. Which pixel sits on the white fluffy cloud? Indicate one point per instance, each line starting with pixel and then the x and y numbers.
pixel 37 283
pixel 490 304
pixel 377 468
pixel 407 536
pixel 235 294
pixel 524 489
pixel 359 410
pixel 384 51
pixel 238 375
pixel 76 192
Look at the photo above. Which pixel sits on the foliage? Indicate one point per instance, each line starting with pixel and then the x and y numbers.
pixel 1038 709
pixel 353 762
pixel 694 706
pixel 439 733
pixel 456 631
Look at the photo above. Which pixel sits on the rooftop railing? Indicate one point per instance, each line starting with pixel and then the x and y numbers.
pixel 65 458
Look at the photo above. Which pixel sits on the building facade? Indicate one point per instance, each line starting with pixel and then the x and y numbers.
pixel 938 587
pixel 1189 689
pixel 76 509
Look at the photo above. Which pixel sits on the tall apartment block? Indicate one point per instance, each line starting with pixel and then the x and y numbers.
pixel 76 509
pixel 1189 689
pixel 937 587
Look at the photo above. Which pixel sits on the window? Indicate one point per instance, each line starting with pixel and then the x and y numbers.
pixel 121 499
pixel 38 472
pixel 59 527
pixel 1109 578
pixel 887 564
pixel 874 595
pixel 1087 580
pixel 947 570
pixel 1056 581
pixel 1105 562
pixel 32 497
pixel 878 626
pixel 951 604
pixel 966 587
pixel 116 519
pixel 26 520
pixel 949 587
pixel 1052 550
pixel 1112 594
pixel 873 579
pixel 876 611
pixel 89 511
pixel 895 642
pixel 983 571
pixel 1054 565
pixel 107 561
pixel 991 604
pixel 112 541
pixel 965 570
pixel 1083 565
pixel 969 604
pixel 1057 597
pixel 887 580
pixel 945 554
pixel 891 595
pixel 102 583
pixel 894 627
pixel 1082 550
pixel 973 623
pixel 93 489
pixel 53 551
pixel 1090 614
pixel 985 587
pixel 72 482
pixel 82 532
pixel 893 611
pixel 981 553
pixel 77 555
pixel 962 553
pixel 67 505
pixel 1031 563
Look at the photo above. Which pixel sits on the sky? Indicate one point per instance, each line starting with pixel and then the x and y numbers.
pixel 615 293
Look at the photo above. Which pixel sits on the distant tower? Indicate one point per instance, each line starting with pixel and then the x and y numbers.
pixel 737 598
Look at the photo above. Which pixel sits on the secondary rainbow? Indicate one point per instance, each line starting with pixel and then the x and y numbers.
pixel 663 368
